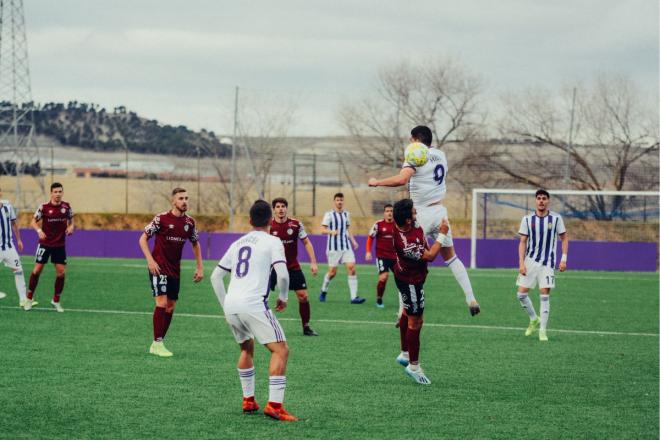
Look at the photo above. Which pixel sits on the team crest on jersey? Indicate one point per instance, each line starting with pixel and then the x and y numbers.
pixel 186 227
pixel 289 231
pixel 549 225
pixel 171 226
pixel 62 210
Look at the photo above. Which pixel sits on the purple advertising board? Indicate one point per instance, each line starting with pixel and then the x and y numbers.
pixel 491 253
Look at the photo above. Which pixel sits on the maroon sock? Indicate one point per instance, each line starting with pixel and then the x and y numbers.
pixel 403 329
pixel 159 323
pixel 167 321
pixel 412 337
pixel 380 288
pixel 59 286
pixel 305 313
pixel 34 280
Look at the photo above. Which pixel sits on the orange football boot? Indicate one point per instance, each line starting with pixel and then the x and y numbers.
pixel 250 405
pixel 279 413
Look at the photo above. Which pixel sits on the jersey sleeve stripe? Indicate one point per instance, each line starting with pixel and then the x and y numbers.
pixel 278 261
pixel 224 268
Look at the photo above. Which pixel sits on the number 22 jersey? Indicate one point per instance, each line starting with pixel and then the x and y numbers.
pixel 250 260
pixel 428 184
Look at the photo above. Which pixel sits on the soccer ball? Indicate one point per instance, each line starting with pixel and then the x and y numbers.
pixel 417 154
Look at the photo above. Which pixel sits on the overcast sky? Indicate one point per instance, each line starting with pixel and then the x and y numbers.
pixel 179 62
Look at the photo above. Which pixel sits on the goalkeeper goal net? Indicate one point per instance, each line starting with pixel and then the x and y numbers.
pixel 609 216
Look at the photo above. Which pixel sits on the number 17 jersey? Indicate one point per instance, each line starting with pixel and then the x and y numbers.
pixel 250 260
pixel 428 185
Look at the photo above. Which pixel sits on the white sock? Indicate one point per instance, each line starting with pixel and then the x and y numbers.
pixel 413 367
pixel 247 381
pixel 405 355
pixel 276 387
pixel 526 304
pixel 353 285
pixel 461 275
pixel 326 283
pixel 545 311
pixel 20 285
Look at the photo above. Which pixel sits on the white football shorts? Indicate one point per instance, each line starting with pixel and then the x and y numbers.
pixel 429 218
pixel 544 276
pixel 10 259
pixel 262 326
pixel 335 258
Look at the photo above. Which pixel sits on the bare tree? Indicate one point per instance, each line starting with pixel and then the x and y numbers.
pixel 441 94
pixel 605 139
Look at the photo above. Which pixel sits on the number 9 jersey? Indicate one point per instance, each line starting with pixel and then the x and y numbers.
pixel 427 185
pixel 250 260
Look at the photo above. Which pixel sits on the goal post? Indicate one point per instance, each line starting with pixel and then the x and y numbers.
pixel 614 215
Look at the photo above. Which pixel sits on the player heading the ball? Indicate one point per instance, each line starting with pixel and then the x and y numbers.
pixel 427 185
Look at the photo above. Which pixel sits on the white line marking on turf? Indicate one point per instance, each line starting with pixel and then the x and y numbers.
pixel 346 321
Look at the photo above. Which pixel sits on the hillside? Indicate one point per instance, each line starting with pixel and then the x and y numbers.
pixel 91 127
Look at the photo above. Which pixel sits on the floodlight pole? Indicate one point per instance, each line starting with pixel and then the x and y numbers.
pixel 233 163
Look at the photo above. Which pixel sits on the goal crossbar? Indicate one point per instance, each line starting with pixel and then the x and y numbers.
pixel 477 191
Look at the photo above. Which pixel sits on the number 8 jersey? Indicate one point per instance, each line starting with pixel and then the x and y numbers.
pixel 250 260
pixel 427 185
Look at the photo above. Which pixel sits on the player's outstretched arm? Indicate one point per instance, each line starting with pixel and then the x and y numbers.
pixel 282 285
pixel 199 271
pixel 564 251
pixel 70 227
pixel 151 263
pixel 217 281
pixel 521 254
pixel 313 266
pixel 399 180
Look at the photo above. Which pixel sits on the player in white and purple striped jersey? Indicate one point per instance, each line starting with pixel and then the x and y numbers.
pixel 537 259
pixel 250 260
pixel 9 251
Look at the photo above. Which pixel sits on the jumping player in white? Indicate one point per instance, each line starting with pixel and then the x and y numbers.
pixel 249 260
pixel 536 254
pixel 427 186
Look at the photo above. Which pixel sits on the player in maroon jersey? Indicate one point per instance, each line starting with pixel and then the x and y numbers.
pixel 413 255
pixel 172 229
pixel 56 219
pixel 290 230
pixel 382 232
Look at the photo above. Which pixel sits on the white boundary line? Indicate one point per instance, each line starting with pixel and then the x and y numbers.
pixel 344 321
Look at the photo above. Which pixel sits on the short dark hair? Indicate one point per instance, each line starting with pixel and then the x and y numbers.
pixel 542 192
pixel 403 210
pixel 423 134
pixel 55 185
pixel 260 213
pixel 281 200
pixel 338 195
pixel 178 190
pixel 388 205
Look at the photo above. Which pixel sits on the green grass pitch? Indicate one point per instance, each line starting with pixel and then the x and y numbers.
pixel 86 373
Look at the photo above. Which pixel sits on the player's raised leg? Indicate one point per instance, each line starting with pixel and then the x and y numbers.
pixel 460 274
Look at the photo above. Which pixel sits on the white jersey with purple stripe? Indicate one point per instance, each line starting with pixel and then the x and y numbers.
pixel 337 221
pixel 428 185
pixel 542 237
pixel 250 260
